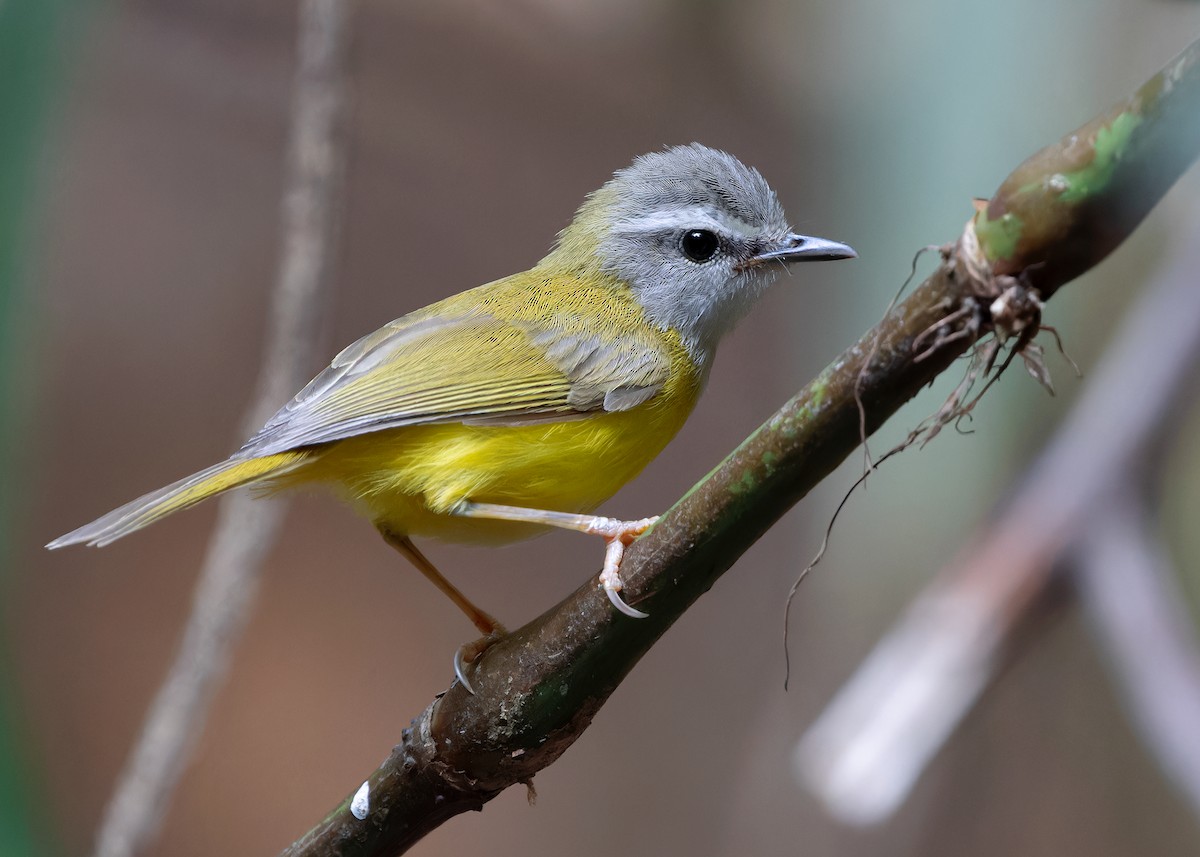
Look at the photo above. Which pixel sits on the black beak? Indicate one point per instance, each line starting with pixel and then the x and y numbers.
pixel 802 248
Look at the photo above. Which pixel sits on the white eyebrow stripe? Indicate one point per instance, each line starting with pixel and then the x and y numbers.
pixel 692 217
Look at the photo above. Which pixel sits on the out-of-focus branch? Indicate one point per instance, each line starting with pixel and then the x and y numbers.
pixel 1139 612
pixel 877 736
pixel 246 528
pixel 1071 204
pixel 538 688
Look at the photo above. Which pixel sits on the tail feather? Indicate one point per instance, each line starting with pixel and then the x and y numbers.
pixel 187 492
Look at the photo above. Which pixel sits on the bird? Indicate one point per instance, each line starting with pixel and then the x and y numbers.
pixel 523 404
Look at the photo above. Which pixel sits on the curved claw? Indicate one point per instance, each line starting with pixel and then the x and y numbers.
pixel 468 653
pixel 460 670
pixel 615 597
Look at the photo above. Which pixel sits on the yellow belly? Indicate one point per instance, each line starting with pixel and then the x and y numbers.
pixel 409 479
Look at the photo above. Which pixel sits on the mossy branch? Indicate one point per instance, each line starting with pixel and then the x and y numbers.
pixel 1057 215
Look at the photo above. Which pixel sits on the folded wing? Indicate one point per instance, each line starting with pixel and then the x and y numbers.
pixel 468 368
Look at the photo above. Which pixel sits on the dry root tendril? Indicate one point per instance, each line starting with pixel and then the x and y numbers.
pixel 1009 308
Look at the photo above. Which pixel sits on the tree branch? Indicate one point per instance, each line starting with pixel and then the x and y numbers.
pixel 538 689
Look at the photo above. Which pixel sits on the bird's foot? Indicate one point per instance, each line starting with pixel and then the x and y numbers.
pixel 618 535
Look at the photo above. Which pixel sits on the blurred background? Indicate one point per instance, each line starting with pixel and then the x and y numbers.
pixel 141 157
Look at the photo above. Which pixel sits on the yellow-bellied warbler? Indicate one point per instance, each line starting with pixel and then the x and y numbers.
pixel 526 402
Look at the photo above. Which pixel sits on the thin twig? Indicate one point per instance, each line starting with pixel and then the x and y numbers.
pixel 246 528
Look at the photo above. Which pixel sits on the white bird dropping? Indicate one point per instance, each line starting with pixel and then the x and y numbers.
pixel 360 804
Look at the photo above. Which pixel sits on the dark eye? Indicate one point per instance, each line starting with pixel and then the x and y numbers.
pixel 699 245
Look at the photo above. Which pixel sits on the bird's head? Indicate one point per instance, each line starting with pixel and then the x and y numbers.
pixel 696 235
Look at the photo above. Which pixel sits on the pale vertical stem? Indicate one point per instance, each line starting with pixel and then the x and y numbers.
pixel 1136 606
pixel 246 529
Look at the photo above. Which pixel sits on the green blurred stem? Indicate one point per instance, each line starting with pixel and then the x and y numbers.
pixel 35 41
pixel 1059 213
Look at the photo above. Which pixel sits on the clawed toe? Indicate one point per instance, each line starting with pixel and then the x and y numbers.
pixel 615 597
pixel 617 534
pixel 610 577
pixel 469 653
pixel 624 531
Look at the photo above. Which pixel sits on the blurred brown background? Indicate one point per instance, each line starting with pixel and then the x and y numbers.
pixel 475 130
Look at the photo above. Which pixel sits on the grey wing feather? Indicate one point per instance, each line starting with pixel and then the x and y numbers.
pixel 610 375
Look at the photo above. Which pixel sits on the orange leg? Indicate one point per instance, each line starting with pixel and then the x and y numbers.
pixel 487 624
